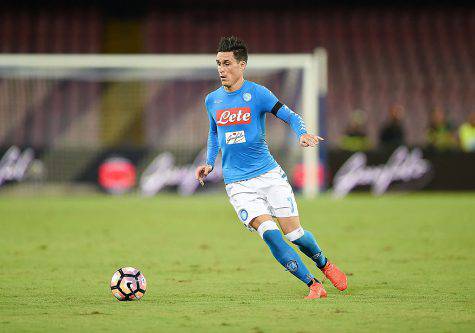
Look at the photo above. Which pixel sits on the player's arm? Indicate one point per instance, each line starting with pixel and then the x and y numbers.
pixel 213 146
pixel 296 123
pixel 212 152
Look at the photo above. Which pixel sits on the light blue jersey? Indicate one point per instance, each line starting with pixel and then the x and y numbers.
pixel 237 127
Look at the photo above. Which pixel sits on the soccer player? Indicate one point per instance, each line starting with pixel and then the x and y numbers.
pixel 256 185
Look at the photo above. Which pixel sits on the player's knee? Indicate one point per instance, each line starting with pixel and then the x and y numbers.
pixel 295 235
pixel 266 226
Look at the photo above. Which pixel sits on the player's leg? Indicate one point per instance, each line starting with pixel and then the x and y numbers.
pixel 281 198
pixel 254 212
pixel 307 243
pixel 282 252
pixel 304 239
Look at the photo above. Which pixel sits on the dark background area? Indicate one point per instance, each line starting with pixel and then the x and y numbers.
pixel 415 54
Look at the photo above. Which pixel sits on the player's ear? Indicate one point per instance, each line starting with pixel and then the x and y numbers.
pixel 242 65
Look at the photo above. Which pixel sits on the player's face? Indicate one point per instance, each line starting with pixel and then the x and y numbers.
pixel 230 70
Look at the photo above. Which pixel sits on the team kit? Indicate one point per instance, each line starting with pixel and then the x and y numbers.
pixel 256 185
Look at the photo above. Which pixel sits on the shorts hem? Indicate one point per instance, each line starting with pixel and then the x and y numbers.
pixel 286 215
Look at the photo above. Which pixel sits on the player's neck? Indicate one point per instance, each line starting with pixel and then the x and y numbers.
pixel 236 86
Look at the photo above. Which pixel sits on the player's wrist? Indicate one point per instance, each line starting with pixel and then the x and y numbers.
pixel 302 134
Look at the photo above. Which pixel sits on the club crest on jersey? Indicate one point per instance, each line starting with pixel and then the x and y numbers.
pixel 247 97
pixel 233 116
pixel 235 137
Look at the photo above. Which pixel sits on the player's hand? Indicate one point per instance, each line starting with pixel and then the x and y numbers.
pixel 201 172
pixel 309 140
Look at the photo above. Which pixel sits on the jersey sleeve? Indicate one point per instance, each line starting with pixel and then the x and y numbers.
pixel 271 104
pixel 291 118
pixel 267 99
pixel 212 146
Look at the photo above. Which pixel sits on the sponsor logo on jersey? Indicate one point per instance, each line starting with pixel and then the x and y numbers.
pixel 235 137
pixel 247 97
pixel 233 116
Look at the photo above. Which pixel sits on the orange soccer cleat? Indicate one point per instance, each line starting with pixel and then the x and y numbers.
pixel 316 291
pixel 337 277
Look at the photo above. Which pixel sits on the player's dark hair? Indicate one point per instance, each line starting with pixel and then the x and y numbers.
pixel 234 45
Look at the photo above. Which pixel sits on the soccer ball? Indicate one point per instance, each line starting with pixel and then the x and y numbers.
pixel 128 284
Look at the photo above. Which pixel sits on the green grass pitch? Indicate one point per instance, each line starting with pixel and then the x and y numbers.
pixel 410 261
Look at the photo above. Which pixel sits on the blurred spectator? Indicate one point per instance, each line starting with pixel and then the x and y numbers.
pixel 467 133
pixel 441 135
pixel 355 138
pixel 392 133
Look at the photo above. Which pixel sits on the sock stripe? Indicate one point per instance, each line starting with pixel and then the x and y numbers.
pixel 266 226
pixel 294 235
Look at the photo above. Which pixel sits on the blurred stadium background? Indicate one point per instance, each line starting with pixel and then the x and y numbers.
pixel 411 58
